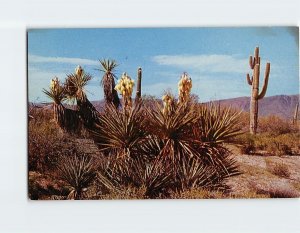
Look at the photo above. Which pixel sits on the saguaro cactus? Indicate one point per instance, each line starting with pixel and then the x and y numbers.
pixel 254 63
pixel 295 118
pixel 139 85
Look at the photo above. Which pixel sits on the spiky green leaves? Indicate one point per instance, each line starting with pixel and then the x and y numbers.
pixel 108 82
pixel 78 172
pixel 216 124
pixel 75 84
pixel 56 91
pixel 174 128
pixel 120 131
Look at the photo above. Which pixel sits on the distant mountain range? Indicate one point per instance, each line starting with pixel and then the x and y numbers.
pixel 280 105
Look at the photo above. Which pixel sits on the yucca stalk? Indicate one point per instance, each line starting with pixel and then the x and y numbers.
pixel 74 86
pixel 108 82
pixel 67 119
pixel 184 88
pixel 125 87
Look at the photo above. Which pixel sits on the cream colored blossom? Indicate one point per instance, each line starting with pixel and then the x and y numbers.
pixel 125 88
pixel 54 84
pixel 168 101
pixel 78 70
pixel 184 87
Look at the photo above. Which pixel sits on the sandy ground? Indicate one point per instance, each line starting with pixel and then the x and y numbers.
pixel 260 176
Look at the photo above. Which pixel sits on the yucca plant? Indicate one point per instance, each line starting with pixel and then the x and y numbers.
pixel 173 127
pixel 120 132
pixel 74 86
pixel 154 178
pixel 194 174
pixel 125 87
pixel 175 140
pixel 216 124
pixel 78 171
pixel 108 82
pixel 171 124
pixel 67 119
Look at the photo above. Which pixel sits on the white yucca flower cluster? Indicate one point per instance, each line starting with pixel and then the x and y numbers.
pixel 168 101
pixel 125 85
pixel 54 84
pixel 78 70
pixel 184 87
pixel 125 88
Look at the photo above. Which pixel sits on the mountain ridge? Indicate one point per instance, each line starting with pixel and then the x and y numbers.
pixel 279 105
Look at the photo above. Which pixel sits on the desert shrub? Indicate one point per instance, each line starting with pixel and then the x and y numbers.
pixel 280 169
pixel 41 186
pixel 40 113
pixel 46 142
pixel 279 192
pixel 283 144
pixel 275 125
pixel 78 171
pixel 246 143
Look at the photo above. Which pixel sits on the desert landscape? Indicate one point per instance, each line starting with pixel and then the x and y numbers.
pixel 145 148
pixel 145 128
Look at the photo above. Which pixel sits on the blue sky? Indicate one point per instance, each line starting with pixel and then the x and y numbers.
pixel 215 58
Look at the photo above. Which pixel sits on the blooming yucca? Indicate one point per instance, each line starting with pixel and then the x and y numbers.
pixel 184 88
pixel 67 119
pixel 125 87
pixel 56 91
pixel 54 84
pixel 168 101
pixel 78 70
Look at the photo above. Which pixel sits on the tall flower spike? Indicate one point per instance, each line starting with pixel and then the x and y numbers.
pixel 54 84
pixel 78 70
pixel 125 88
pixel 168 101
pixel 184 88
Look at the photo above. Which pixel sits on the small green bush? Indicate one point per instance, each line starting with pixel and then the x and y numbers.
pixel 284 144
pixel 275 125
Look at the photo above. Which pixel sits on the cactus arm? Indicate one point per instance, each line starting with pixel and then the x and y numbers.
pixel 295 117
pixel 138 87
pixel 251 62
pixel 256 53
pixel 249 80
pixel 266 79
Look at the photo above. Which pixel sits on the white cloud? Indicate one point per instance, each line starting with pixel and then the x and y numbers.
pixel 70 60
pixel 216 63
